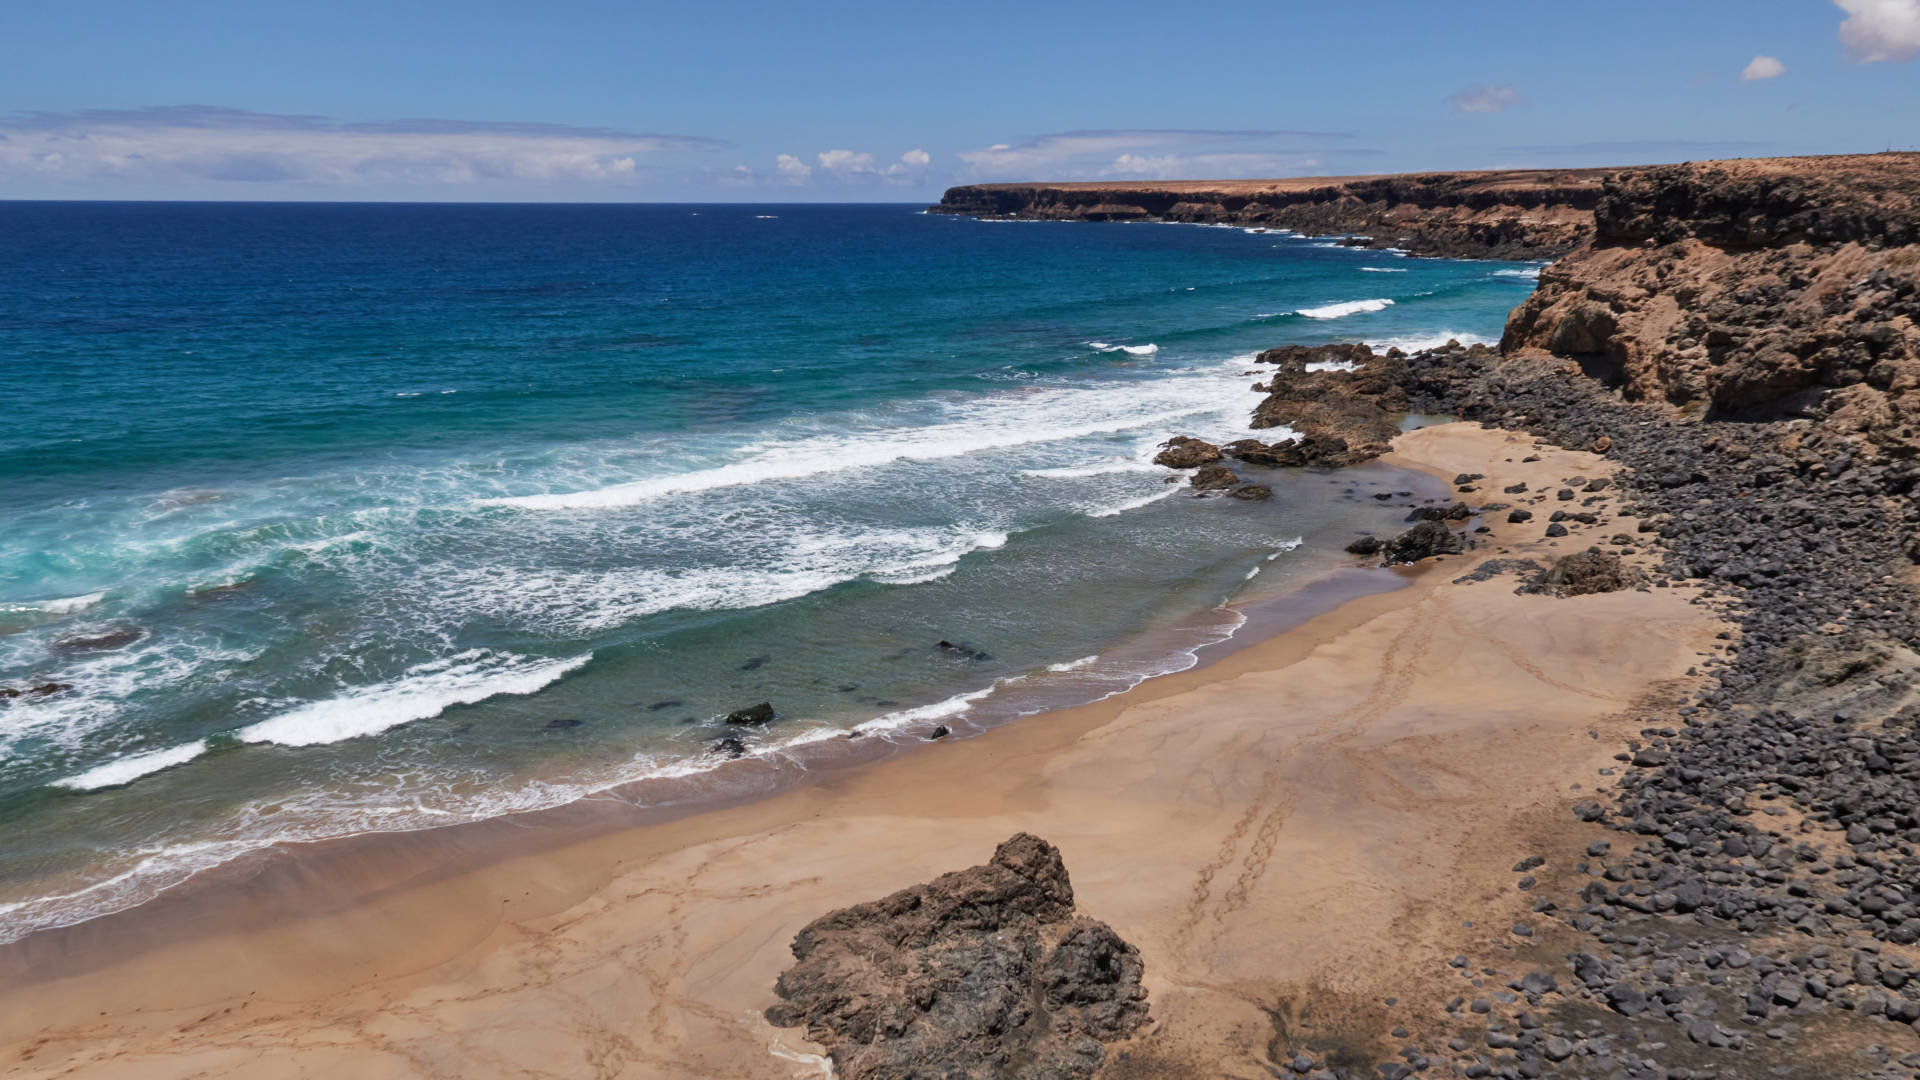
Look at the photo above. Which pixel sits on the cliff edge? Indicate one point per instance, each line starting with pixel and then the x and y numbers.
pixel 1513 214
pixel 1769 289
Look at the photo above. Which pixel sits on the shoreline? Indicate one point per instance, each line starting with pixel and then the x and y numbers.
pixel 315 938
pixel 465 846
pixel 792 751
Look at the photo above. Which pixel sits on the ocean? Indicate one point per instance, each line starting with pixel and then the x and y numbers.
pixel 330 519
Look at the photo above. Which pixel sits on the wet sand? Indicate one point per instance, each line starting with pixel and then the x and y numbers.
pixel 1290 835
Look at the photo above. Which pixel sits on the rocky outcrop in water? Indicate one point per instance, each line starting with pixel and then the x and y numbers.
pixel 1343 402
pixel 981 974
pixel 1182 452
pixel 1513 214
pixel 1754 290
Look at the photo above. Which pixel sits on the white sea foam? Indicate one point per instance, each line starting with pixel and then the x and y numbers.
pixel 1333 365
pixel 1168 491
pixel 1342 310
pixel 1130 350
pixel 1074 665
pixel 1428 341
pixel 1099 468
pixel 1029 416
pixel 1531 273
pixel 65 605
pixel 424 691
pixel 128 769
pixel 1285 546
pixel 1251 574
pixel 1383 269
pixel 939 710
pixel 798 562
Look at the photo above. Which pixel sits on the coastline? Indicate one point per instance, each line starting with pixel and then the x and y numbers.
pixel 1198 828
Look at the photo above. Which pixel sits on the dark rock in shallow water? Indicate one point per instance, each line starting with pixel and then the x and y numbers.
pixel 729 746
pixel 1255 452
pixel 1366 545
pixel 964 651
pixel 42 690
pixel 662 705
pixel 984 973
pixel 1213 478
pixel 1182 452
pixel 752 714
pixel 1590 571
pixel 1423 541
pixel 112 639
pixel 1252 492
pixel 940 731
pixel 561 723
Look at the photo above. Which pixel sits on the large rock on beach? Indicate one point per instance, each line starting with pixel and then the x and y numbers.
pixel 1423 541
pixel 1586 572
pixel 980 974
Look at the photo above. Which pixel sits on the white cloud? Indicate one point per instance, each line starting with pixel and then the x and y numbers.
pixel 1880 29
pixel 1208 166
pixel 1484 98
pixel 1141 154
pixel 200 143
pixel 845 163
pixel 909 169
pixel 792 169
pixel 1763 68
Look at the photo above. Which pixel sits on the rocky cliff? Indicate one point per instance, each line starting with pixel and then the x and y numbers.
pixel 1750 290
pixel 1515 214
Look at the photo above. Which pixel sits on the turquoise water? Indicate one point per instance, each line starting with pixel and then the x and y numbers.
pixel 337 518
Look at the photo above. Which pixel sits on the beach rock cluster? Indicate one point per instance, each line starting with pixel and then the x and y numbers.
pixel 1584 573
pixel 1756 915
pixel 1512 214
pixel 982 973
pixel 1343 402
pixel 1744 898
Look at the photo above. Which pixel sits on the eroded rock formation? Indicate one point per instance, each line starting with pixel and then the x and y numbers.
pixel 1343 402
pixel 1750 290
pixel 982 973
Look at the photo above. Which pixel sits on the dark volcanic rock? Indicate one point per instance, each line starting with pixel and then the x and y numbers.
pixel 1366 545
pixel 119 637
pixel 1590 571
pixel 752 714
pixel 1342 417
pixel 1423 541
pixel 983 973
pixel 1182 452
pixel 42 690
pixel 1252 492
pixel 1213 478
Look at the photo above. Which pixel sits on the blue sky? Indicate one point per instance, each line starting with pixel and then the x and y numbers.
pixel 835 101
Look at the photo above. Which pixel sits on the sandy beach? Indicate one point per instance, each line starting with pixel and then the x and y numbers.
pixel 1325 815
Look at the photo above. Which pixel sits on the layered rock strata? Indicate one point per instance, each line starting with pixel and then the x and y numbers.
pixel 1513 214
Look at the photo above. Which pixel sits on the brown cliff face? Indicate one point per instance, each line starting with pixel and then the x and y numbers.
pixel 1750 290
pixel 1523 214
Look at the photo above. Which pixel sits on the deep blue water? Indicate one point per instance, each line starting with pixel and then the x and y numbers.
pixel 338 517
